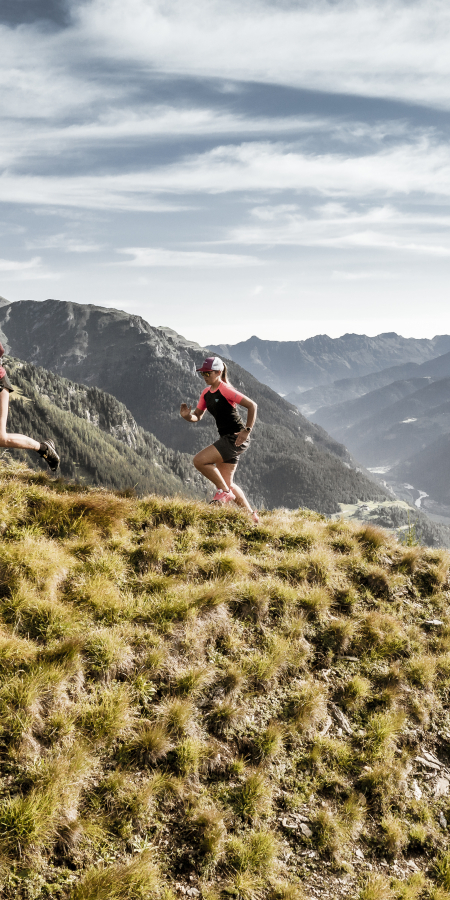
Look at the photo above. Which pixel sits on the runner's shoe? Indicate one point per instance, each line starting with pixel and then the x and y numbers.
pixel 255 517
pixel 48 452
pixel 223 497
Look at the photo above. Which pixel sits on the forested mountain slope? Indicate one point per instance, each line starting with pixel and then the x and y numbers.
pixel 191 707
pixel 298 365
pixel 291 462
pixel 97 437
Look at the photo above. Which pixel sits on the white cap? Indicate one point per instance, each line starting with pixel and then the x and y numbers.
pixel 211 364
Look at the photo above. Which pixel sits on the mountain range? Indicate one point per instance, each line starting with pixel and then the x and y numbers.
pixel 400 428
pixel 292 462
pixel 296 366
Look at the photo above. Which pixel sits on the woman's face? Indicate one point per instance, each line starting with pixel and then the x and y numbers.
pixel 210 377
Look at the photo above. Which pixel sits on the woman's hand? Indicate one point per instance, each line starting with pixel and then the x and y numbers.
pixel 185 411
pixel 241 437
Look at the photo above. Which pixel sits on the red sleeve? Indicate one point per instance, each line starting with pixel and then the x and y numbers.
pixel 2 372
pixel 230 393
pixel 201 403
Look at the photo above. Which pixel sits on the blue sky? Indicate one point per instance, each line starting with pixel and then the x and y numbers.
pixel 229 168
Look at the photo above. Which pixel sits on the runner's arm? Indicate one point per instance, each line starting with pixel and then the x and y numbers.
pixel 251 408
pixel 186 413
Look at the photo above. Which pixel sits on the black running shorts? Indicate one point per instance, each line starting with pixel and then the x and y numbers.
pixel 6 384
pixel 226 445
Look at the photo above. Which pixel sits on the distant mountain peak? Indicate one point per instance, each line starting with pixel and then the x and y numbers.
pixel 180 340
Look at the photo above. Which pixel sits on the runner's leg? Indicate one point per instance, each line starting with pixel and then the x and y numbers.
pixel 207 462
pixel 227 471
pixel 12 441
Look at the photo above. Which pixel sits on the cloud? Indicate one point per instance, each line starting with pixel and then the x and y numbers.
pixel 64 242
pixel 155 256
pixel 42 77
pixel 401 169
pixel 130 191
pixel 377 48
pixel 13 265
pixel 365 275
pixel 336 225
pixel 422 167
pixel 25 270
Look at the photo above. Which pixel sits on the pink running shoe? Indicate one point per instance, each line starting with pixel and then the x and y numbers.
pixel 223 497
pixel 255 517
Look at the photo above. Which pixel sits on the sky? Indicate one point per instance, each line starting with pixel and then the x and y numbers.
pixel 229 168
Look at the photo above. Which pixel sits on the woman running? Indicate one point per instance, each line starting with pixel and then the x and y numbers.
pixel 218 461
pixel 46 449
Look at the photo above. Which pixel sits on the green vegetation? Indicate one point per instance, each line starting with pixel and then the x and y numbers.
pixel 191 706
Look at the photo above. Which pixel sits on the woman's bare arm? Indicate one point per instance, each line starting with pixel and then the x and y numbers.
pixel 186 413
pixel 251 408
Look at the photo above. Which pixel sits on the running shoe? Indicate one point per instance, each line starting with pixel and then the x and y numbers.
pixel 223 497
pixel 255 517
pixel 48 452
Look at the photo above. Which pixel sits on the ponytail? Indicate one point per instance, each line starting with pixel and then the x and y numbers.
pixel 224 375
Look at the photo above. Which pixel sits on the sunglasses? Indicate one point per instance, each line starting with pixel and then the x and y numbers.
pixel 206 373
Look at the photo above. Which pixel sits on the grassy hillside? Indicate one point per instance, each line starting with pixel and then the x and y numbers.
pixel 191 707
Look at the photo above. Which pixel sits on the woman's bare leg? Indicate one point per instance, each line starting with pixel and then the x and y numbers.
pixel 227 471
pixel 207 462
pixel 12 441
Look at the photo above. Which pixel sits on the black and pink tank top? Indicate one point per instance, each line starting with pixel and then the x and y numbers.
pixel 222 404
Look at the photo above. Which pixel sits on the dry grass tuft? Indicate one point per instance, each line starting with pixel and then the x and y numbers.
pixel 442 870
pixel 376 887
pixel 254 853
pixel 151 744
pixel 134 880
pixel 395 834
pixel 107 653
pixel 336 829
pixel 316 601
pixel 107 715
pixel 15 651
pixel 383 636
pixel 177 714
pixel 209 831
pixel 187 756
pixel 191 681
pixel 372 539
pixel 224 715
pixel 252 799
pixel 269 742
pixel 381 732
pixel 356 692
pixel 307 706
